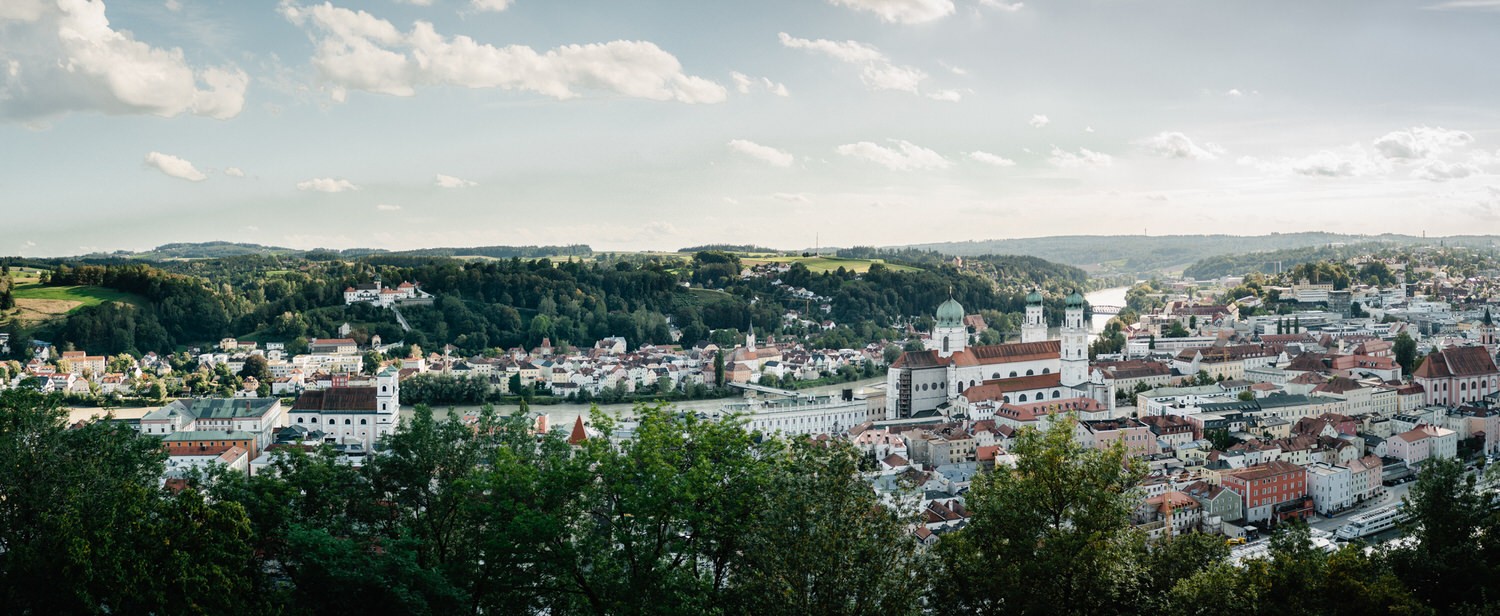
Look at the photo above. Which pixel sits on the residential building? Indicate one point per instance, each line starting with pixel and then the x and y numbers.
pixel 1457 375
pixel 1271 490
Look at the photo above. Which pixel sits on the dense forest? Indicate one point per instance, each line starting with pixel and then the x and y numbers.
pixel 1276 261
pixel 482 305
pixel 689 517
pixel 1154 254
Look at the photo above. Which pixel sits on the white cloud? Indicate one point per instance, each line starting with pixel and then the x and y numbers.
pixel 173 5
pixel 1441 171
pixel 1421 142
pixel 905 156
pixel 327 185
pixel 175 167
pixel 448 181
pixel 1488 206
pixel 954 69
pixel 386 207
pixel 1327 163
pixel 1172 144
pixel 744 83
pixel 847 51
pixel 1088 129
pixel 883 76
pixel 902 11
pixel 1085 158
pixel 792 197
pixel 490 5
pixel 991 159
pixel 876 71
pixel 358 51
pixel 64 56
pixel 947 96
pixel 1458 5
pixel 779 89
pixel 1038 121
pixel 1009 7
pixel 764 153
pixel 234 172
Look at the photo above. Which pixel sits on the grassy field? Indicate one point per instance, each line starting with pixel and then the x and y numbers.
pixel 818 265
pixel 35 302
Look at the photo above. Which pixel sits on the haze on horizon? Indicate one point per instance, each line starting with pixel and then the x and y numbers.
pixel 417 123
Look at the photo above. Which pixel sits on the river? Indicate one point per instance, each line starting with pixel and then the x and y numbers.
pixel 1114 296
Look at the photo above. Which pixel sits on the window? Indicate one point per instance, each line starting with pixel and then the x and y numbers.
pixel 1030 373
pixel 1046 371
pixel 363 422
pixel 1012 374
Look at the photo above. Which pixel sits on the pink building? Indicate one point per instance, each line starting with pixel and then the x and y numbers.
pixel 1104 433
pixel 1457 375
pixel 1422 442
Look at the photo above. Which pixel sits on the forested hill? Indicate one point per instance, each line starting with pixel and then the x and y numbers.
pixel 220 250
pixel 1273 261
pixel 1146 254
pixel 485 304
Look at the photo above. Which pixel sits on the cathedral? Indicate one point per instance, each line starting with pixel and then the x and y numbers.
pixel 922 384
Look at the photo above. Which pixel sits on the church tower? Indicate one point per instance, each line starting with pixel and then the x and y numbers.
pixel 750 338
pixel 1075 343
pixel 949 336
pixel 1035 328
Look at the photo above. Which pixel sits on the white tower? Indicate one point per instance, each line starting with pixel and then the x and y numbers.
pixel 949 336
pixel 1035 328
pixel 750 338
pixel 1075 343
pixel 387 404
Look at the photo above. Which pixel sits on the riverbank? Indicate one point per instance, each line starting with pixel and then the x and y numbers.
pixel 558 413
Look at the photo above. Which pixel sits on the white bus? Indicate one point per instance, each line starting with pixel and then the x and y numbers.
pixel 1366 524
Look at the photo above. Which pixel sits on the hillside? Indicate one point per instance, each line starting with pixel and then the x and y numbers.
pixel 1146 254
pixel 220 250
pixel 36 303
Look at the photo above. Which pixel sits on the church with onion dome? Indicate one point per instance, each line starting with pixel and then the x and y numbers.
pixel 952 378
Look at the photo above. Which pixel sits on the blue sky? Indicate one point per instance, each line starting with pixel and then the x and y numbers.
pixel 638 125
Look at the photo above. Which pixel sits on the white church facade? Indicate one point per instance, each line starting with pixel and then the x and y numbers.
pixel 950 373
pixel 383 296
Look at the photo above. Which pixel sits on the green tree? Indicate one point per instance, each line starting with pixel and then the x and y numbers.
pixel 1405 350
pixel 84 529
pixel 258 367
pixel 1177 331
pixel 1061 515
pixel 811 484
pixel 1447 515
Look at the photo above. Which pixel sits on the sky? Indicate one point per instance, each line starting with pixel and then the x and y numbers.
pixel 788 123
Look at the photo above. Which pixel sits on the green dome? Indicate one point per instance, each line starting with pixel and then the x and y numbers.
pixel 1075 300
pixel 950 314
pixel 1034 297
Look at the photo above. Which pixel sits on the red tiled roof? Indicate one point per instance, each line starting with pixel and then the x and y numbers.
pixel 337 399
pixel 1457 361
pixel 580 434
pixel 995 389
pixel 919 359
pixel 1263 470
pixel 1015 352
